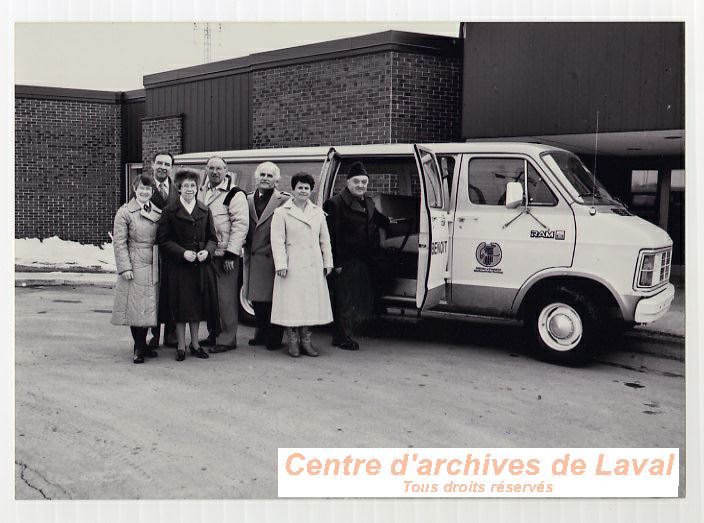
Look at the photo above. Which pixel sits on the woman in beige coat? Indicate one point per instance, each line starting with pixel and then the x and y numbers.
pixel 136 258
pixel 300 244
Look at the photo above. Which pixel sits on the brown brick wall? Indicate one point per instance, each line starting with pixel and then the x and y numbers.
pixel 344 101
pixel 68 169
pixel 160 134
pixel 387 97
pixel 426 98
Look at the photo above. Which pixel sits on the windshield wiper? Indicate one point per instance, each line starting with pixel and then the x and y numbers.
pixel 595 194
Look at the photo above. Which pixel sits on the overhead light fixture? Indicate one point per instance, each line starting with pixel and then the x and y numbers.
pixel 634 149
pixel 673 137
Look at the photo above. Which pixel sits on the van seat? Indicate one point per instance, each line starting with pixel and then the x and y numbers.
pixel 404 213
pixel 411 245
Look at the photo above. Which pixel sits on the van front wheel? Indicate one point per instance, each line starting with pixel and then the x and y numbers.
pixel 246 312
pixel 564 327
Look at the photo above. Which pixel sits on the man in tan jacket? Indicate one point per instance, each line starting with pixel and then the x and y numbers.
pixel 260 282
pixel 228 205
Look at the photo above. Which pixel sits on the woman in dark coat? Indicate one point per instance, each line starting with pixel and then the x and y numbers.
pixel 187 240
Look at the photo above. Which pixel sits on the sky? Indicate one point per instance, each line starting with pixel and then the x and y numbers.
pixel 115 56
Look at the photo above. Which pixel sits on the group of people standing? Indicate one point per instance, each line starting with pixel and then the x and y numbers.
pixel 178 249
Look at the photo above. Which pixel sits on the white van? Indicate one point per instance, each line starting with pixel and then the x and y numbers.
pixel 469 236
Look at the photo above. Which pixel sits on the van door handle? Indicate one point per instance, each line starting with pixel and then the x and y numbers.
pixel 461 220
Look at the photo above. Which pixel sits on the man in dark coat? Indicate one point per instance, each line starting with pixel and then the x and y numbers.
pixel 354 224
pixel 165 192
pixel 260 275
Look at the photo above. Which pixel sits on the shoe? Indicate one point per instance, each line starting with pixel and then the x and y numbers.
pixel 208 342
pixel 256 341
pixel 306 345
pixel 293 340
pixel 349 344
pixel 180 355
pixel 198 353
pixel 138 356
pixel 221 348
pixel 151 353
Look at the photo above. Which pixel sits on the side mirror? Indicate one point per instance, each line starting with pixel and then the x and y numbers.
pixel 514 194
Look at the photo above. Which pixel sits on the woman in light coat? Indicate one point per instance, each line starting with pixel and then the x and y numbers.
pixel 300 245
pixel 136 258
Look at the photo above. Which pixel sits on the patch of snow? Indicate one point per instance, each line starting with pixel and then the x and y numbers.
pixel 55 253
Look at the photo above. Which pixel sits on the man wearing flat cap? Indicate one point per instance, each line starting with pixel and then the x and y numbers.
pixel 354 224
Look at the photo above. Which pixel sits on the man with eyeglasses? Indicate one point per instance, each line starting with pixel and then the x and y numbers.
pixel 228 205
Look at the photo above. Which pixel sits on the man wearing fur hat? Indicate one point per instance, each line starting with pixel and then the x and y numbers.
pixel 354 224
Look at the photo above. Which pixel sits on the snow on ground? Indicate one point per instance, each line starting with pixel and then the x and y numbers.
pixel 57 254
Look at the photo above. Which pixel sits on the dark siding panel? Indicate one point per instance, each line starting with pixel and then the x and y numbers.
pixel 132 114
pixel 229 113
pixel 215 111
pixel 552 78
pixel 246 105
pixel 189 110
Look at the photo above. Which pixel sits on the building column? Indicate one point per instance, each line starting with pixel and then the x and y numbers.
pixel 664 179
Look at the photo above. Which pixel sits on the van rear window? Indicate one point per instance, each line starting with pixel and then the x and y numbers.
pixel 244 173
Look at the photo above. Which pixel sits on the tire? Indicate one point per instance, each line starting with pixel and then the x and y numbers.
pixel 565 327
pixel 246 311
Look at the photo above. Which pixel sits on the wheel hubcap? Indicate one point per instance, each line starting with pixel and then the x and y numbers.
pixel 560 326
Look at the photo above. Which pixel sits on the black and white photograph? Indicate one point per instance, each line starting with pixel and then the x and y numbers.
pixel 235 237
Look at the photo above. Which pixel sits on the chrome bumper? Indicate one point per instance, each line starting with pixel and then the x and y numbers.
pixel 650 309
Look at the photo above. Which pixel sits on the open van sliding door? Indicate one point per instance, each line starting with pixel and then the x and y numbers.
pixel 434 235
pixel 327 175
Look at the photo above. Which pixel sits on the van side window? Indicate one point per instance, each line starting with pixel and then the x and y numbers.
pixel 488 178
pixel 431 176
pixel 538 191
pixel 447 167
pixel 244 174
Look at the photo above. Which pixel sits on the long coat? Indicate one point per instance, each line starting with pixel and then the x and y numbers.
pixel 188 290
pixel 300 244
pixel 354 229
pixel 134 237
pixel 258 257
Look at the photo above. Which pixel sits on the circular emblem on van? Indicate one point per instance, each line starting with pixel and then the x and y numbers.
pixel 489 254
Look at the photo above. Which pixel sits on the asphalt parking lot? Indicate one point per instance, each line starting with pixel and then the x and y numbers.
pixel 91 425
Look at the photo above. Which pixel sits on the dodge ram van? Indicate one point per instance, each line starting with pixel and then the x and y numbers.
pixel 503 230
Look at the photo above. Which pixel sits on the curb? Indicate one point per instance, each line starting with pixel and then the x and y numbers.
pixel 661 344
pixel 58 282
pixel 655 335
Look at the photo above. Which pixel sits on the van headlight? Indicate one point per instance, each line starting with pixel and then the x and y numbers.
pixel 653 268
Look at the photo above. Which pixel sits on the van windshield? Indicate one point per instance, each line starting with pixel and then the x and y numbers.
pixel 590 191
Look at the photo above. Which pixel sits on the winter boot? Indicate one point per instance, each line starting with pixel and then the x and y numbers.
pixel 306 345
pixel 292 337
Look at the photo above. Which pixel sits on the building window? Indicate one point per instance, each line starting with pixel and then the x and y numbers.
pixel 644 188
pixel 132 171
pixel 677 180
